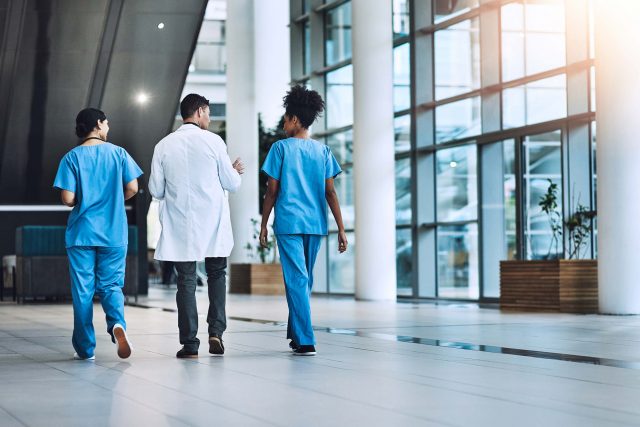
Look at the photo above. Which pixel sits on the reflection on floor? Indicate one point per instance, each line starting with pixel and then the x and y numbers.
pixel 377 364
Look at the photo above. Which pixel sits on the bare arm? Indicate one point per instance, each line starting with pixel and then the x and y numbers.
pixel 332 199
pixel 273 187
pixel 131 189
pixel 68 198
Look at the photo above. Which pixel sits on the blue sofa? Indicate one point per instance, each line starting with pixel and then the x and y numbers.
pixel 42 266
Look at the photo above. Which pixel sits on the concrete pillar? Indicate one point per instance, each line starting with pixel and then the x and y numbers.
pixel 617 41
pixel 373 150
pixel 272 58
pixel 242 121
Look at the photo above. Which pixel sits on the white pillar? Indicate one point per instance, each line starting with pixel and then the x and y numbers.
pixel 242 121
pixel 272 58
pixel 373 150
pixel 618 157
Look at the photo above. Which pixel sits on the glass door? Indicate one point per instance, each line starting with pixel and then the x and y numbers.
pixel 541 168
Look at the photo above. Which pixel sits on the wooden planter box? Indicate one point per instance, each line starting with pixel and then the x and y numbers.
pixel 567 286
pixel 260 279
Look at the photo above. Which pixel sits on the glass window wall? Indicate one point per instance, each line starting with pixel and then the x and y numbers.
pixel 344 188
pixel 401 78
pixel 525 61
pixel 536 102
pixel 458 261
pixel 341 266
pixel 401 18
pixel 458 120
pixel 510 199
pixel 341 146
pixel 457 184
pixel 446 9
pixel 402 130
pixel 403 191
pixel 339 97
pixel 457 59
pixel 306 47
pixel 533 38
pixel 404 261
pixel 338 34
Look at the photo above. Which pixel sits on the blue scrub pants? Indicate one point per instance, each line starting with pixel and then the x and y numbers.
pixel 298 254
pixel 99 270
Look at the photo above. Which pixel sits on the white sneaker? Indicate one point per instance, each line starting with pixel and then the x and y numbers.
pixel 124 346
pixel 77 357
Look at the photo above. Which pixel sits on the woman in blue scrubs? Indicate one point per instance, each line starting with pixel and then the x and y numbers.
pixel 300 184
pixel 96 177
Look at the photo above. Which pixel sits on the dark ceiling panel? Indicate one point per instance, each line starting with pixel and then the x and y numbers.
pixel 152 61
pixel 54 65
pixel 50 69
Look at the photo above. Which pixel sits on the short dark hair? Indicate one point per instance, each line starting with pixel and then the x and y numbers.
pixel 87 120
pixel 305 104
pixel 191 103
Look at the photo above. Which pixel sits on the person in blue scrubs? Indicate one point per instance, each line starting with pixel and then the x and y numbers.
pixel 95 178
pixel 300 184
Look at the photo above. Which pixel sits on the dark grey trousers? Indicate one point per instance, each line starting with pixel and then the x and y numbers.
pixel 186 300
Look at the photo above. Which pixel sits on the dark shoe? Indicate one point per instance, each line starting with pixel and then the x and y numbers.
pixel 215 345
pixel 293 346
pixel 186 354
pixel 305 350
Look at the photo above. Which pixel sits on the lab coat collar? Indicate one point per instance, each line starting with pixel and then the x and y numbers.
pixel 186 126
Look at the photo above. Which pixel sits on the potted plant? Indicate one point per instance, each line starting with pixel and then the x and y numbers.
pixel 568 285
pixel 264 275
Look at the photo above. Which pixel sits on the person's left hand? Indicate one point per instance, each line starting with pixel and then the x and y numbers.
pixel 342 242
pixel 264 236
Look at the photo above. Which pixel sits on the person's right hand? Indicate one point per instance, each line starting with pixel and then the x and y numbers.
pixel 264 235
pixel 238 166
pixel 342 242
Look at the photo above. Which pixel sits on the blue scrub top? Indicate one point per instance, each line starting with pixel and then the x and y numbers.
pixel 97 174
pixel 301 166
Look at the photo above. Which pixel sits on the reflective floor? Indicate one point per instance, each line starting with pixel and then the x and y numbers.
pixel 377 364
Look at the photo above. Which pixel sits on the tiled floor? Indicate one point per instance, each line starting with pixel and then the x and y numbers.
pixel 364 375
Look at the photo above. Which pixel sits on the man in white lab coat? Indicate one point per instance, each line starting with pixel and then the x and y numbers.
pixel 191 173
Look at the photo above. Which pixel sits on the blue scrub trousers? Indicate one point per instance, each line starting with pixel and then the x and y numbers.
pixel 298 254
pixel 99 270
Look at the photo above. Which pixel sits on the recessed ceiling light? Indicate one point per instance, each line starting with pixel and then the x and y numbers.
pixel 161 25
pixel 453 164
pixel 142 98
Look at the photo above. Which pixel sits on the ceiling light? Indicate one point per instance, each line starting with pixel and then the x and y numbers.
pixel 142 98
pixel 161 25
pixel 453 164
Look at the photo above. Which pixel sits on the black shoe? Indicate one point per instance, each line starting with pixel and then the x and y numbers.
pixel 293 346
pixel 186 354
pixel 215 345
pixel 305 350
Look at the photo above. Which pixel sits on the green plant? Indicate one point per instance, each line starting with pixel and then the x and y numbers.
pixel 549 205
pixel 256 250
pixel 579 227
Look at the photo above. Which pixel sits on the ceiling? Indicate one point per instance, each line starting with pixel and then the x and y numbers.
pixel 59 56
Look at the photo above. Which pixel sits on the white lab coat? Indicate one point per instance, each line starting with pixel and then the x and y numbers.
pixel 190 172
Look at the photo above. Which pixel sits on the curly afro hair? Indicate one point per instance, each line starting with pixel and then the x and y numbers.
pixel 305 104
